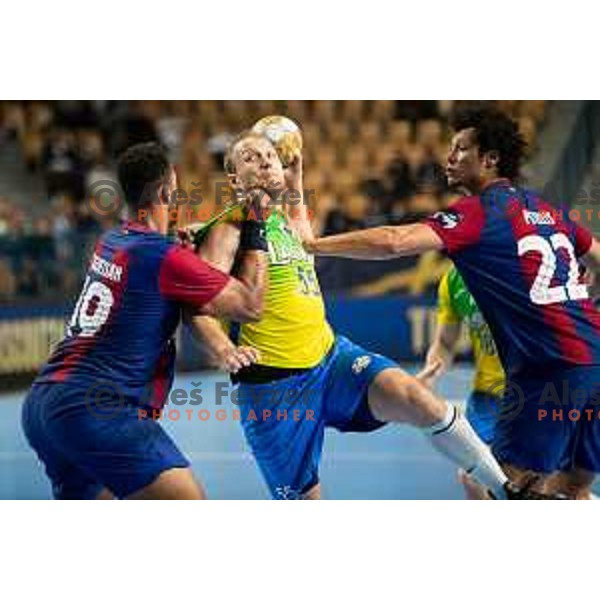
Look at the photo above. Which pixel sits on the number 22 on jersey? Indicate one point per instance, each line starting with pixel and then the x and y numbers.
pixel 542 291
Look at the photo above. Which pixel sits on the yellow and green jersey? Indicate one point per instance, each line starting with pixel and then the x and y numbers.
pixel 456 305
pixel 293 331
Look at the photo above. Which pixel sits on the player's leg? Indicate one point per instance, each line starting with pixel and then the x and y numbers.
pixel 367 390
pixel 87 457
pixel 313 494
pixel 68 481
pixel 283 425
pixel 530 442
pixel 125 454
pixel 482 413
pixel 394 396
pixel 139 460
pixel 173 484
pixel 576 478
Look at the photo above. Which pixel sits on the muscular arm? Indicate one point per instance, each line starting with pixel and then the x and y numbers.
pixel 219 249
pixel 295 208
pixel 378 243
pixel 242 299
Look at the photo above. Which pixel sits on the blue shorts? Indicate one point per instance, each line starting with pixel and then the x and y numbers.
pixel 284 420
pixel 551 423
pixel 482 413
pixel 84 452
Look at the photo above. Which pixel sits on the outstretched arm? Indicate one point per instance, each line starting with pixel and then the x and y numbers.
pixel 378 243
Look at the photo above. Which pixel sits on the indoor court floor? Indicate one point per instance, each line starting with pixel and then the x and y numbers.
pixel 395 462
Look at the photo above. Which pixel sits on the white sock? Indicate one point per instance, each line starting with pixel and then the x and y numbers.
pixel 456 440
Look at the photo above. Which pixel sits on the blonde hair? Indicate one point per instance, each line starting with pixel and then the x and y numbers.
pixel 228 162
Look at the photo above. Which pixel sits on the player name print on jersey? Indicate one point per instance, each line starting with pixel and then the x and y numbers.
pixel 105 268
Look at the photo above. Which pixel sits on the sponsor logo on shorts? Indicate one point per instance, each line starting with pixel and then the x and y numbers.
pixel 360 364
pixel 287 492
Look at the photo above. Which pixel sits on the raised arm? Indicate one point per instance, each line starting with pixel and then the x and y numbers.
pixel 378 243
pixel 295 204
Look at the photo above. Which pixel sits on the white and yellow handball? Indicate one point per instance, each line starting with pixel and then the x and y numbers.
pixel 284 134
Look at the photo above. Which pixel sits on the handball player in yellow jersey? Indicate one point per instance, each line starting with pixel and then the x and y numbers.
pixel 456 307
pixel 299 376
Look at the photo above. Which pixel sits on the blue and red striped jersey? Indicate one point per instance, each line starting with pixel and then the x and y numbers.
pixel 518 256
pixel 123 324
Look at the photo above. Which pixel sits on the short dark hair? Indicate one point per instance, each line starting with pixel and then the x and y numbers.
pixel 494 131
pixel 142 168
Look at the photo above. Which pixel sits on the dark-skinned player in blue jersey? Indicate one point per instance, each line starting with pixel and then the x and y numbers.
pixel 138 286
pixel 520 258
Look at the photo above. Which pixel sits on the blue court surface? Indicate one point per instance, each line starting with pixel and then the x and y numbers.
pixel 392 463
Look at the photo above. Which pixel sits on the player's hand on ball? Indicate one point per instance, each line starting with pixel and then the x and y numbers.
pixel 293 174
pixel 238 357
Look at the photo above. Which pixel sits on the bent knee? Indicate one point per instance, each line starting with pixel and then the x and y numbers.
pixel 396 396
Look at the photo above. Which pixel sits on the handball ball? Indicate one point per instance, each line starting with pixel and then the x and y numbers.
pixel 284 134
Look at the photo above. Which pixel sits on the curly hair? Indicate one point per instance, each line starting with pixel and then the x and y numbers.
pixel 142 169
pixel 494 131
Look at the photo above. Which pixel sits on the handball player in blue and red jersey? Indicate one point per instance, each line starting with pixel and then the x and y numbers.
pixel 89 413
pixel 520 258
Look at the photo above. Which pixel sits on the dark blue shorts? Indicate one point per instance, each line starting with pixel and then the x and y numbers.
pixel 85 451
pixel 551 423
pixel 284 421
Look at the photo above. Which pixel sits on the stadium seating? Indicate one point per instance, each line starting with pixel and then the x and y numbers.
pixel 372 155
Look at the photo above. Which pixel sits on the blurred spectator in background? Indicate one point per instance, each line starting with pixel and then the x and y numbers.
pixel 366 162
pixel 4 216
pixel 415 110
pixel 62 165
pixel 76 114
pixel 352 213
pixel 135 125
